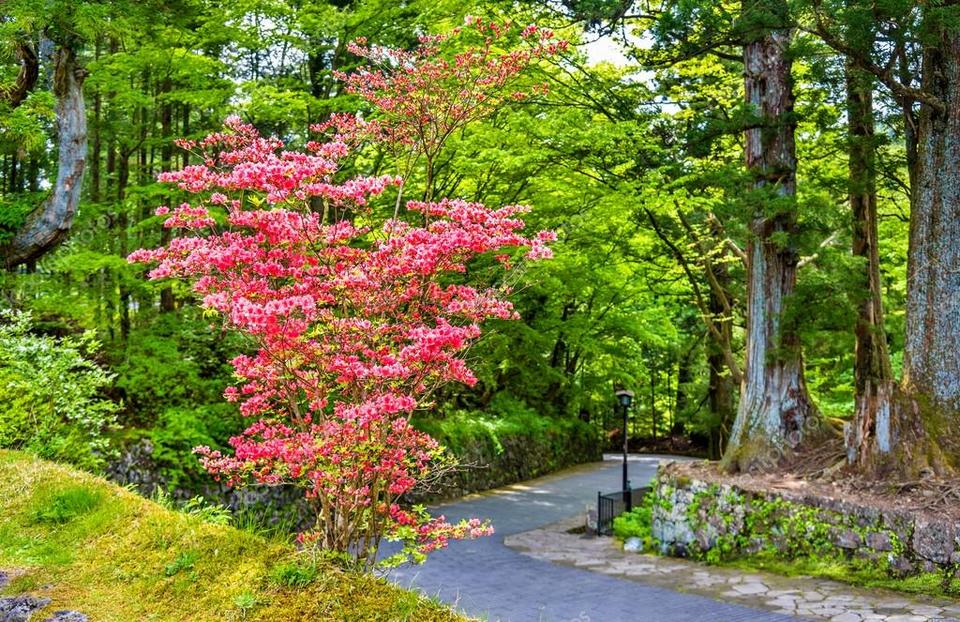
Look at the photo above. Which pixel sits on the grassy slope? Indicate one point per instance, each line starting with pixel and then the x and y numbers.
pixel 99 549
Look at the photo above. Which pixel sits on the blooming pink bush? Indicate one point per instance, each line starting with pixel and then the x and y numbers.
pixel 352 326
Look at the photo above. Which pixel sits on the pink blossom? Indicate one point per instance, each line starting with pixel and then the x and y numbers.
pixel 352 327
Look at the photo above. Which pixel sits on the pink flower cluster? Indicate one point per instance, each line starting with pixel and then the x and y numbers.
pixel 354 327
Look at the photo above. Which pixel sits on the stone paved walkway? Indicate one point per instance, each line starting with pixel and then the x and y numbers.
pixel 807 597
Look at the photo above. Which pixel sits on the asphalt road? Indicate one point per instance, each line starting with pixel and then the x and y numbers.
pixel 485 579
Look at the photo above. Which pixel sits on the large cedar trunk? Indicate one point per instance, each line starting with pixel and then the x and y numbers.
pixel 775 412
pixel 868 434
pixel 925 422
pixel 46 226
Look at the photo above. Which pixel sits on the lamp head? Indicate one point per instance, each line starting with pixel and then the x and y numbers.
pixel 624 397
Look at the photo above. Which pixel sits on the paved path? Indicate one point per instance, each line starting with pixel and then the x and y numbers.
pixel 486 579
pixel 817 599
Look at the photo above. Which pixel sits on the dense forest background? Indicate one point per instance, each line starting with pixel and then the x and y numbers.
pixel 637 164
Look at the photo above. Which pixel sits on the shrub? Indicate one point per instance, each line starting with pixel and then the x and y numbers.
pixel 176 362
pixel 51 394
pixel 178 430
pixel 637 523
pixel 353 321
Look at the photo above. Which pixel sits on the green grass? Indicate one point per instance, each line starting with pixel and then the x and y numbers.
pixel 294 574
pixel 102 550
pixel 66 505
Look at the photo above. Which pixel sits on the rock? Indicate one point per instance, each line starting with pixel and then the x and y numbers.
pixel 748 589
pixel 899 523
pixel 879 541
pixel 901 566
pixel 67 616
pixel 591 521
pixel 633 545
pixel 849 539
pixel 933 540
pixel 20 608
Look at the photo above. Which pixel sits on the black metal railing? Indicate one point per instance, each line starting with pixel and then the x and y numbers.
pixel 613 504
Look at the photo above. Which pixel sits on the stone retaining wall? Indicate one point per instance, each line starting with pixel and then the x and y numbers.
pixel 486 464
pixel 713 521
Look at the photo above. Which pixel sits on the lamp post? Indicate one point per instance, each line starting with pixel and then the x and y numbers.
pixel 624 399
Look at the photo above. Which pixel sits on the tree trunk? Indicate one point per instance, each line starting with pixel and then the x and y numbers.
pixel 26 78
pixel 775 412
pixel 46 226
pixel 653 397
pixel 95 148
pixel 868 434
pixel 925 423
pixel 123 226
pixel 721 388
pixel 720 399
pixel 167 302
pixel 684 377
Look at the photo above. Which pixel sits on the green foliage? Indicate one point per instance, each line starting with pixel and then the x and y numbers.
pixel 297 573
pixel 14 209
pixel 174 362
pixel 52 398
pixel 606 154
pixel 207 511
pixel 507 421
pixel 177 431
pixel 183 562
pixel 67 505
pixel 245 602
pixel 638 522
pixel 272 522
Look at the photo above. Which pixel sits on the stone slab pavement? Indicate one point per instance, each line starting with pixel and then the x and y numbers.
pixel 488 580
pixel 807 597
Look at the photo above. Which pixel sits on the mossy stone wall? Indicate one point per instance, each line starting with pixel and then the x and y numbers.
pixel 716 522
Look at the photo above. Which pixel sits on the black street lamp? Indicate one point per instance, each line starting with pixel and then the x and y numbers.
pixel 624 399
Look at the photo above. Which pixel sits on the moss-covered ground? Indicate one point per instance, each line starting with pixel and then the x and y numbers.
pixel 927 584
pixel 115 556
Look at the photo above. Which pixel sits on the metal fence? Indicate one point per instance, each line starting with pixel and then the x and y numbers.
pixel 613 504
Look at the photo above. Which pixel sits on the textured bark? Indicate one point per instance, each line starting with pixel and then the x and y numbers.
pixel 931 371
pixel 46 226
pixel 775 412
pixel 868 434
